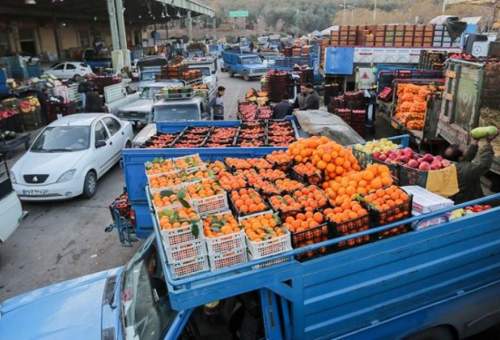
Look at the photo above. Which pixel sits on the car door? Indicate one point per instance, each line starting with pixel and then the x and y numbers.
pixel 117 136
pixel 103 148
pixel 57 70
pixel 70 71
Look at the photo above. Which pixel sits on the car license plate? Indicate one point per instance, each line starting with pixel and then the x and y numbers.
pixel 35 192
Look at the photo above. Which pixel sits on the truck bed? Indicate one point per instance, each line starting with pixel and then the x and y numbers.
pixel 379 290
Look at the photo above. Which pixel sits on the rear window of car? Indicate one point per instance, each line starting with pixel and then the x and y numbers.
pixel 83 65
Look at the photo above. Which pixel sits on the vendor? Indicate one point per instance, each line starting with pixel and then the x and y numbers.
pixel 312 98
pixel 469 173
pixel 300 102
pixel 216 105
pixel 283 108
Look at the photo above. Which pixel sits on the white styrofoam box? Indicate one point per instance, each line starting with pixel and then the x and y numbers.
pixel 425 201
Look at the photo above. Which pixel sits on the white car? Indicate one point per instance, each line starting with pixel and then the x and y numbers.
pixel 10 206
pixel 70 70
pixel 69 156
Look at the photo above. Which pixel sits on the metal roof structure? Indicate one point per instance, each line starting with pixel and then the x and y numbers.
pixel 136 11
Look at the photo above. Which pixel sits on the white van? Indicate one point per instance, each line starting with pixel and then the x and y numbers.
pixel 10 206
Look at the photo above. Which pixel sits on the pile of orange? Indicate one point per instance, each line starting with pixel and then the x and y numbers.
pixel 342 189
pixel 262 227
pixel 271 174
pixel 285 204
pixel 176 178
pixel 279 158
pixel 220 224
pixel 303 221
pixel 247 201
pixel 188 162
pixel 302 150
pixel 204 189
pixel 230 182
pixel 288 185
pixel 161 200
pixel 334 160
pixel 347 211
pixel 311 198
pixel 177 217
pixel 217 167
pixel 388 198
pixel 238 163
pixel 259 163
pixel 160 166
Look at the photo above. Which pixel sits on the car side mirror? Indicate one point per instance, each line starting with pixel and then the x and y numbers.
pixel 100 143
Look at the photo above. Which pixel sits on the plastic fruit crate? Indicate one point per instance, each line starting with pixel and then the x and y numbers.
pixel 227 259
pixel 393 232
pixel 210 205
pixel 317 234
pixel 276 245
pixel 353 242
pixel 189 267
pixel 175 236
pixel 226 243
pixel 185 251
pixel 354 225
pixel 379 218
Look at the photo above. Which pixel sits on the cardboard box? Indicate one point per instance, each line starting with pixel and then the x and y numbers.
pixel 425 201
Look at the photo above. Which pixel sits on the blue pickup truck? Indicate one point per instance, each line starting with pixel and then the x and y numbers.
pixel 440 282
pixel 246 65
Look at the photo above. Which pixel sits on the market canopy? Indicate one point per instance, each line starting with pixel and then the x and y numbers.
pixel 136 11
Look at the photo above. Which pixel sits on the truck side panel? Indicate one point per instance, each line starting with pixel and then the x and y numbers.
pixel 385 279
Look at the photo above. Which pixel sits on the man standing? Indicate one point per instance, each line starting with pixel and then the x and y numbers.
pixel 216 105
pixel 312 99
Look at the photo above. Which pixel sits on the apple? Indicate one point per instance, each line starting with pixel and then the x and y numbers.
pixel 424 166
pixel 428 158
pixel 393 155
pixel 436 165
pixel 412 163
pixel 439 158
pixel 404 159
pixel 376 154
pixel 445 163
pixel 382 157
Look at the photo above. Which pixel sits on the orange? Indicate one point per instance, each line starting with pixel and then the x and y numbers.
pixel 321 165
pixel 368 175
pixel 330 168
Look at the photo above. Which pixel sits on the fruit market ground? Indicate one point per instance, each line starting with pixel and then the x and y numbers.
pixel 63 240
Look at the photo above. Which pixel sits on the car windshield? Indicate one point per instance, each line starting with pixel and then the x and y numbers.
pixel 62 139
pixel 163 113
pixel 251 60
pixel 145 305
pixel 205 71
pixel 148 75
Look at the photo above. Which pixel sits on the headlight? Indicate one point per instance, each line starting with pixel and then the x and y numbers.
pixel 68 175
pixel 13 177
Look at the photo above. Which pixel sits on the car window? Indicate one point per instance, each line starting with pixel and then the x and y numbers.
pixel 83 65
pixel 100 132
pixel 59 67
pixel 112 124
pixel 70 67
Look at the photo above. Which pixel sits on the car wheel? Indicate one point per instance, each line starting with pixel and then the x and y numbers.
pixel 90 184
pixel 246 77
pixel 128 145
pixel 77 77
pixel 231 74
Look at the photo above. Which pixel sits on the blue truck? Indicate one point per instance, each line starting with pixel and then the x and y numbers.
pixel 441 282
pixel 246 65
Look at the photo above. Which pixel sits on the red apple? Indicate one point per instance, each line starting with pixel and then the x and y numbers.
pixel 424 166
pixel 436 164
pixel 428 158
pixel 445 163
pixel 382 157
pixel 413 163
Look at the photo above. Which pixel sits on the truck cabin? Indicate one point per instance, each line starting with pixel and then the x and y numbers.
pixel 150 67
pixel 179 110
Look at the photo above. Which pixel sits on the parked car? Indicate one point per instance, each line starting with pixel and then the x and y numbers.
pixel 10 206
pixel 70 70
pixel 69 156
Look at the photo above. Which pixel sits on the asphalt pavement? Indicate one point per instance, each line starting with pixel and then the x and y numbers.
pixel 59 241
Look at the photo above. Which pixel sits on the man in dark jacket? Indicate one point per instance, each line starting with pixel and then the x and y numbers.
pixel 312 99
pixel 216 105
pixel 283 108
pixel 468 172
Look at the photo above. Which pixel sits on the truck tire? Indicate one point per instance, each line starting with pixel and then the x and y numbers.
pixel 246 77
pixel 90 184
pixel 435 333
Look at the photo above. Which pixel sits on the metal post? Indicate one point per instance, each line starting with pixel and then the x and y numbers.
pixel 113 25
pixel 122 33
pixel 56 38
pixel 189 26
pixel 215 28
